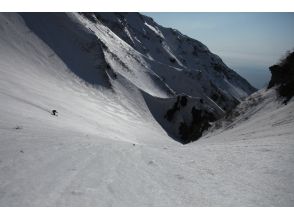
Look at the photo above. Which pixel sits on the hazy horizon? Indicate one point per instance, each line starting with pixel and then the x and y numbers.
pixel 247 42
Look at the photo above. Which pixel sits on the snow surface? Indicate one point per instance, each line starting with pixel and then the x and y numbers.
pixel 106 149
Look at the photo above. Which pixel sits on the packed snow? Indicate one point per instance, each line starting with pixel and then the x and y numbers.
pixel 106 148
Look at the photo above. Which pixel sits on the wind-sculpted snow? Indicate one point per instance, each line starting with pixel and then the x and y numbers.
pixel 109 146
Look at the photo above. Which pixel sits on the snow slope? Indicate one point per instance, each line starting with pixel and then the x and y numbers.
pixel 106 148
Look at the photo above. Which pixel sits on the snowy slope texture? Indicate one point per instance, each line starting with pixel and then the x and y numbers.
pixel 106 147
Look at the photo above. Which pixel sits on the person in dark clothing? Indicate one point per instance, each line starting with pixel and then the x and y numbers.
pixel 54 112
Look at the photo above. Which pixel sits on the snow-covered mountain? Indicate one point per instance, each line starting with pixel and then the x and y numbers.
pixel 118 94
pixel 108 49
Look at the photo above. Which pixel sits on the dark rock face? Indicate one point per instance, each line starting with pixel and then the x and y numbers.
pixel 184 101
pixel 287 90
pixel 170 113
pixel 283 75
pixel 172 60
pixel 181 101
pixel 190 130
pixel 277 75
pixel 200 122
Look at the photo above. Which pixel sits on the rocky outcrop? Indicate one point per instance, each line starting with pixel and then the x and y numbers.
pixel 283 77
pixel 183 117
pixel 200 122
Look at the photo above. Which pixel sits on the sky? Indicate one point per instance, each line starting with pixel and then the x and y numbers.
pixel 247 42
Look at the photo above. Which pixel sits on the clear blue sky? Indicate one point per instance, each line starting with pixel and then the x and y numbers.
pixel 247 42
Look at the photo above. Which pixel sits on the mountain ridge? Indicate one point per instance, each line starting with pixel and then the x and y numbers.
pixel 105 47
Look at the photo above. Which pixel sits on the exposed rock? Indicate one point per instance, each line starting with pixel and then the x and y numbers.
pixel 196 121
pixel 283 77
pixel 200 122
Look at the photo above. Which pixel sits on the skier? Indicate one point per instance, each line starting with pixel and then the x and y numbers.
pixel 54 112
